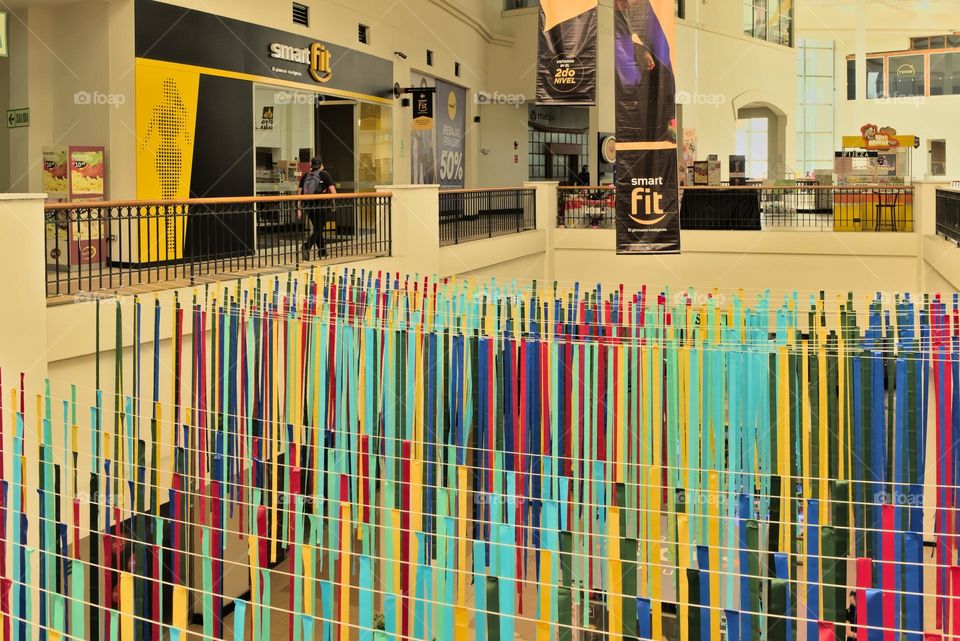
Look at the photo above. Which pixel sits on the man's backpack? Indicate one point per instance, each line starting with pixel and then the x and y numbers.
pixel 311 184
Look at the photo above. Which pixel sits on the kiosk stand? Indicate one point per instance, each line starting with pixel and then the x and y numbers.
pixel 872 172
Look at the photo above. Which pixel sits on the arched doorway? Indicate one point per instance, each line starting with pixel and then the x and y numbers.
pixel 762 138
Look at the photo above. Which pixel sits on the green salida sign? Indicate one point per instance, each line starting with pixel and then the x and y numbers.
pixel 18 118
pixel 3 34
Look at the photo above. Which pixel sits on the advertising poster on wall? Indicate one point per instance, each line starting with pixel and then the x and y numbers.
pixel 648 218
pixel 87 168
pixel 738 170
pixel 423 143
pixel 451 126
pixel 689 147
pixel 266 119
pixel 4 47
pixel 56 179
pixel 567 53
pixel 74 173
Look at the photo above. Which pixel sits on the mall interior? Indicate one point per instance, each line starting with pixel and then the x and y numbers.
pixel 546 320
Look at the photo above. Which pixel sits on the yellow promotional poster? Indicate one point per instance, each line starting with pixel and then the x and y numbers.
pixel 87 166
pixel 55 175
pixel 166 121
pixel 3 34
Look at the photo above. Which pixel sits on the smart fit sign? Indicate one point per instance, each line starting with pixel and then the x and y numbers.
pixel 316 57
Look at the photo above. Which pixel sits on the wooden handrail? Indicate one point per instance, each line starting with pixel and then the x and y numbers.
pixel 484 190
pixel 244 200
pixel 764 187
pixel 865 187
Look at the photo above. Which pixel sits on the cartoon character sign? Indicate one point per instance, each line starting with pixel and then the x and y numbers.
pixel 875 137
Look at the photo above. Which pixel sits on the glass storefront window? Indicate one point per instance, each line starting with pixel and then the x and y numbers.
pixel 945 74
pixel 284 138
pixel 874 78
pixel 375 147
pixel 905 76
pixel 770 20
pixel 851 79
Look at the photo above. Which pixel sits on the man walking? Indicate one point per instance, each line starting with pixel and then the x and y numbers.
pixel 314 182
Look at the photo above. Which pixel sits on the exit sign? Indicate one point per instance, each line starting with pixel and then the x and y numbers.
pixel 18 118
pixel 3 35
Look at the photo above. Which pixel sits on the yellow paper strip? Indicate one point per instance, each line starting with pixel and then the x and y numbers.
pixel 545 586
pixel 616 576
pixel 713 538
pixel 683 559
pixel 653 518
pixel 344 618
pixel 179 620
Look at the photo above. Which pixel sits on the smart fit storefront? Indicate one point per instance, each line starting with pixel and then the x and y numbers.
pixel 228 108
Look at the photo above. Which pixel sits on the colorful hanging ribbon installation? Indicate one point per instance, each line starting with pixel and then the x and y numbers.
pixel 431 459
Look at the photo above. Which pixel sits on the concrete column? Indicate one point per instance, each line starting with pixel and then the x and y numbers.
pixel 31 86
pixel 23 349
pixel 547 202
pixel 23 325
pixel 415 227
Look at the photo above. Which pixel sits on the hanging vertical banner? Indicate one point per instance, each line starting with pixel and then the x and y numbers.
pixel 451 127
pixel 567 53
pixel 423 137
pixel 648 218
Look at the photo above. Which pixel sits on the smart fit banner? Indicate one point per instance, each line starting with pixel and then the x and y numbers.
pixel 423 142
pixel 648 217
pixel 567 53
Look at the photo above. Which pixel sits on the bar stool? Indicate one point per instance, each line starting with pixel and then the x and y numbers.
pixel 887 199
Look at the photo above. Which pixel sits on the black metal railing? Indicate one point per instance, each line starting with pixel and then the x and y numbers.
pixel 948 214
pixel 473 214
pixel 111 246
pixel 755 207
pixel 587 207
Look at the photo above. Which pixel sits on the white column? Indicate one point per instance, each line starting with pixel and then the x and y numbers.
pixel 23 348
pixel 547 202
pixel 860 46
pixel 415 227
pixel 23 325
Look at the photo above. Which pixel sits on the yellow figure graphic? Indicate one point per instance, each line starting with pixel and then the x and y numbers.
pixel 166 118
pixel 171 122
